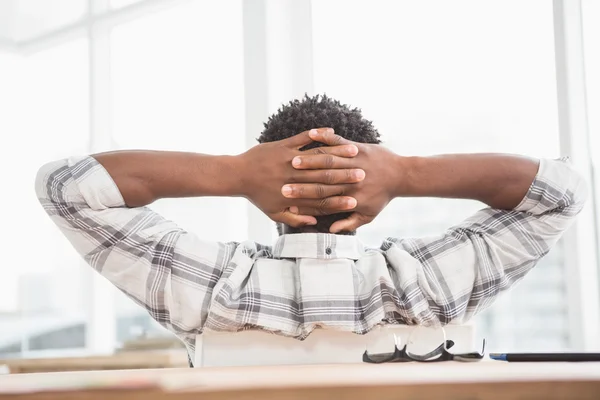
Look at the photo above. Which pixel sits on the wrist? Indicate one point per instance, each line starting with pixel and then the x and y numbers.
pixel 230 181
pixel 403 182
pixel 240 174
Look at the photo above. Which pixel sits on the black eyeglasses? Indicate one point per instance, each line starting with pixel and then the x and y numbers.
pixel 438 354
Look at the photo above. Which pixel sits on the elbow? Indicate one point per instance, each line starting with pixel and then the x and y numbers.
pixel 574 197
pixel 49 181
pixel 575 192
pixel 579 193
pixel 43 183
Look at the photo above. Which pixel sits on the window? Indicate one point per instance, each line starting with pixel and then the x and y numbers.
pixel 45 117
pixel 447 77
pixel 123 3
pixel 176 88
pixel 26 21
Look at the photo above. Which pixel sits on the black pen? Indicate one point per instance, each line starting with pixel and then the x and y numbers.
pixel 545 357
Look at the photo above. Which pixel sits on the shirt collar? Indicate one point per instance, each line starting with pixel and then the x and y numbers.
pixel 318 245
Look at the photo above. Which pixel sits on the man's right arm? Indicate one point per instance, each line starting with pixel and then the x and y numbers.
pixel 497 180
pixel 455 275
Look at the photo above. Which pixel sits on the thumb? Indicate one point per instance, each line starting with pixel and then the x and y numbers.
pixel 289 218
pixel 328 137
pixel 353 222
pixel 298 141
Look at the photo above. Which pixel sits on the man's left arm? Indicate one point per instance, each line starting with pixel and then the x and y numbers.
pixel 98 202
pixel 150 259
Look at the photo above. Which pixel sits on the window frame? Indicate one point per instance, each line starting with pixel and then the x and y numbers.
pixel 581 240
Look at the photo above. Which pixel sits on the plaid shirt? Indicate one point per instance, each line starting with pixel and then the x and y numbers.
pixel 307 280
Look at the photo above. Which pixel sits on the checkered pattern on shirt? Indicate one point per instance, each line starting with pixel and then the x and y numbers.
pixel 305 281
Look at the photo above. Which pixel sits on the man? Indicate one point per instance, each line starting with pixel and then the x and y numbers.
pixel 310 278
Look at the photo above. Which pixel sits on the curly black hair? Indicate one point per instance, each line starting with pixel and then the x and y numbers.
pixel 319 111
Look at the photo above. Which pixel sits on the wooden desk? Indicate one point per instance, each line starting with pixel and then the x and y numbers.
pixel 485 380
pixel 119 361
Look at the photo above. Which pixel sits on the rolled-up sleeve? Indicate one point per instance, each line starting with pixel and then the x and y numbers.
pixel 166 270
pixel 462 271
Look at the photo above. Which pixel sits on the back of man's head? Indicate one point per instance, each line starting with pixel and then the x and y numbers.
pixel 319 112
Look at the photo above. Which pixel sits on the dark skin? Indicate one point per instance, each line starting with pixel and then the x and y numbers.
pixel 344 176
pixel 498 180
pixel 258 174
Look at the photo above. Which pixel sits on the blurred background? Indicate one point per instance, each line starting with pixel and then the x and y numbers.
pixel 435 76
